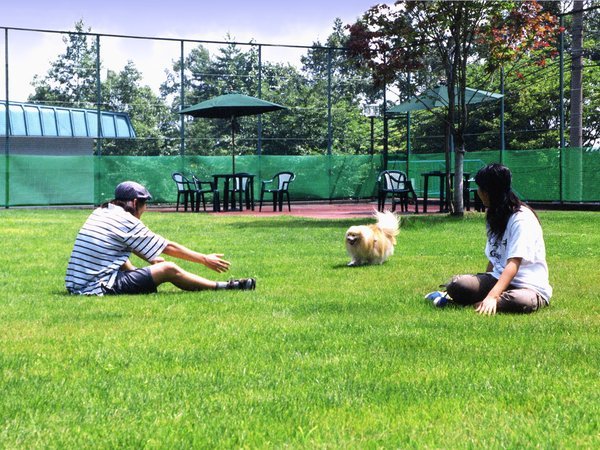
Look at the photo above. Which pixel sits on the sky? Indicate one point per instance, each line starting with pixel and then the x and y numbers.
pixel 268 22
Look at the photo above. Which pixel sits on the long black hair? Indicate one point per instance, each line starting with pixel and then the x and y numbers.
pixel 496 180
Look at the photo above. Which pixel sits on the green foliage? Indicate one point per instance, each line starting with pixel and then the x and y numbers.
pixel 303 128
pixel 329 85
pixel 591 75
pixel 71 79
pixel 149 114
pixel 72 82
pixel 319 356
pixel 406 36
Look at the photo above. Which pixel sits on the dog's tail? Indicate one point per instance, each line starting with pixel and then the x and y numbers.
pixel 388 222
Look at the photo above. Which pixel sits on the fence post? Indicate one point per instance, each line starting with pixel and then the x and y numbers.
pixel 408 124
pixel 97 173
pixel 502 136
pixel 182 101
pixel 561 50
pixel 259 126
pixel 385 129
pixel 329 130
pixel 408 144
pixel 7 126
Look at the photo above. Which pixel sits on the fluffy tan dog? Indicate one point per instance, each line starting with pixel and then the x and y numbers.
pixel 373 244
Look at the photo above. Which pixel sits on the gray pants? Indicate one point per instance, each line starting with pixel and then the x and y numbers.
pixel 470 289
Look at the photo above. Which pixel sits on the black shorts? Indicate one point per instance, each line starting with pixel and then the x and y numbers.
pixel 138 281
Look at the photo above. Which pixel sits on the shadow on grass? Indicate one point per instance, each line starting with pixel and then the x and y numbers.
pixel 343 266
pixel 355 267
pixel 408 222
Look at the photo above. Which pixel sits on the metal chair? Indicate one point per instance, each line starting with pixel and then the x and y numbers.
pixel 396 183
pixel 280 184
pixel 203 187
pixel 185 189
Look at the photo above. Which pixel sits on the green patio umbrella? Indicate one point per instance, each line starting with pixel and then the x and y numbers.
pixel 438 97
pixel 435 98
pixel 231 106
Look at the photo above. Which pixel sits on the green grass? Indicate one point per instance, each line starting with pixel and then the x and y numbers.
pixel 319 356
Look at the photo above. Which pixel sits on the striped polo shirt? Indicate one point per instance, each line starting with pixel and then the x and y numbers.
pixel 104 244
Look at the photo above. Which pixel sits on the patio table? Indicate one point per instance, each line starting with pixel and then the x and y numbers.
pixel 441 175
pixel 227 179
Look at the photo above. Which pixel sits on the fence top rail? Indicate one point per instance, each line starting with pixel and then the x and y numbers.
pixel 157 38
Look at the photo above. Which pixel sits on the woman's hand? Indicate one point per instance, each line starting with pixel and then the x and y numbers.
pixel 216 262
pixel 487 306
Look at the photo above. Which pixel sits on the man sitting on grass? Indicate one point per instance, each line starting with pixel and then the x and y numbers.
pixel 99 262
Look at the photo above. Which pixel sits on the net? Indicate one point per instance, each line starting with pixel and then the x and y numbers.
pixel 572 175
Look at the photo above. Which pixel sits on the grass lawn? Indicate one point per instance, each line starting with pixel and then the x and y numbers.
pixel 319 356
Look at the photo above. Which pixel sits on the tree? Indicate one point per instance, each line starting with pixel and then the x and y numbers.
pixel 196 88
pixel 332 76
pixel 231 70
pixel 296 133
pixel 71 79
pixel 398 38
pixel 149 114
pixel 591 106
pixel 330 59
pixel 303 132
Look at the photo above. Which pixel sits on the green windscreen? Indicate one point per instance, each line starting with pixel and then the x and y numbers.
pixel 572 175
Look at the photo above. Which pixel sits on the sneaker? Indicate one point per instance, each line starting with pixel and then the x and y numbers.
pixel 438 298
pixel 244 284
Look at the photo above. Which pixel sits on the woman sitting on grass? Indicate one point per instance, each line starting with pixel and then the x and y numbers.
pixel 100 265
pixel 516 278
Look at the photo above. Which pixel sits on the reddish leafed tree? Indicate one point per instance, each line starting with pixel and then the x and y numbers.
pixel 405 36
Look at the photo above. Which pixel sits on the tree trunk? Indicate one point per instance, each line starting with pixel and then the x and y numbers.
pixel 447 165
pixel 457 195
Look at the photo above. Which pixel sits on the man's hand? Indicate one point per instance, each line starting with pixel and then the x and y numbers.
pixel 213 261
pixel 487 306
pixel 216 262
pixel 127 266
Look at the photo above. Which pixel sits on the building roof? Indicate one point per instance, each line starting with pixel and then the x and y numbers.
pixel 32 120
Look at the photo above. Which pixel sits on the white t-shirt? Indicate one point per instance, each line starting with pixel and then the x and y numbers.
pixel 104 244
pixel 523 238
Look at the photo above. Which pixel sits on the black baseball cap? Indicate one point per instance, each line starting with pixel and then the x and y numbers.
pixel 130 190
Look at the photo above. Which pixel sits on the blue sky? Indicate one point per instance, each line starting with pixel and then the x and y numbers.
pixel 273 22
pixel 290 22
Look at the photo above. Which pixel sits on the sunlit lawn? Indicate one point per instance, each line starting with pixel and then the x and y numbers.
pixel 319 356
